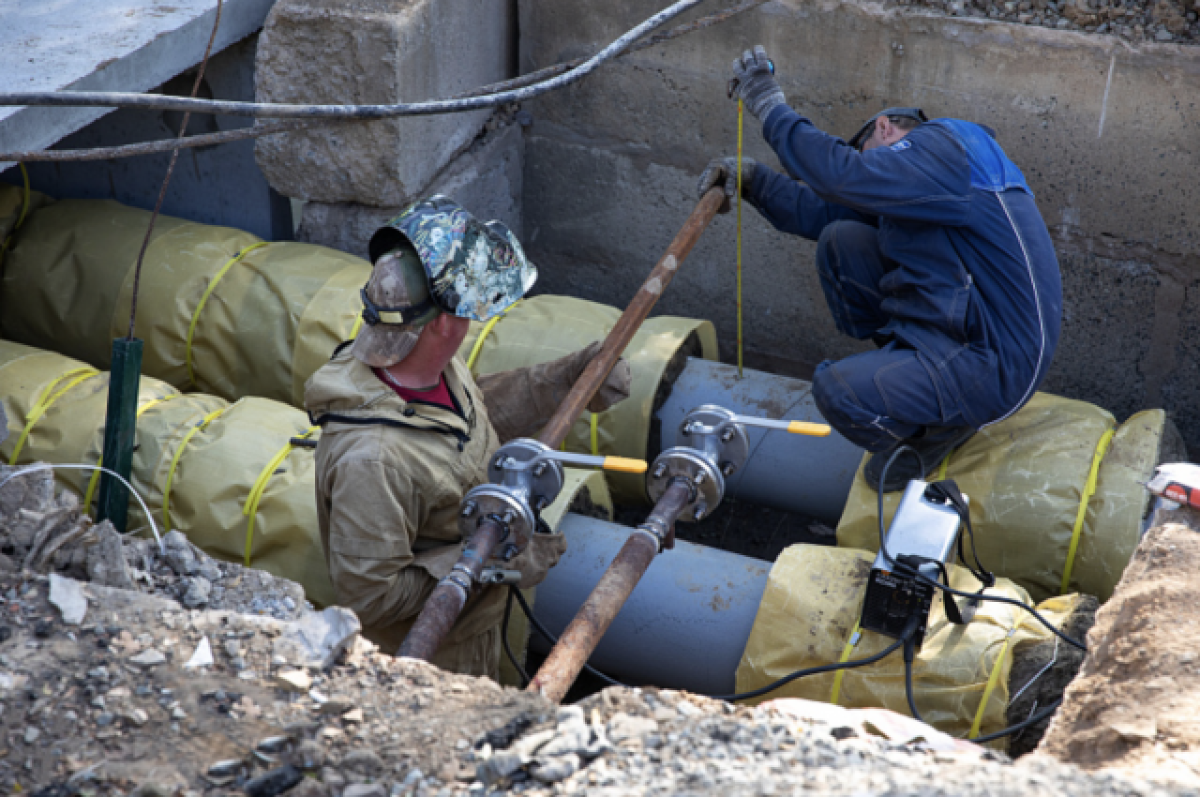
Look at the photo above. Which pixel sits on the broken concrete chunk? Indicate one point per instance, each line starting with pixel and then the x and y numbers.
pixel 106 559
pixel 555 769
pixel 67 595
pixel 198 592
pixel 295 680
pixel 179 554
pixel 149 658
pixel 1136 730
pixel 316 639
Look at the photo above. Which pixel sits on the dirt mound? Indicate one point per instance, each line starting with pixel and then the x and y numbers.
pixel 1136 702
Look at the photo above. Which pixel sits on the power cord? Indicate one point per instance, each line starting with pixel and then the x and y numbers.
pixel 513 592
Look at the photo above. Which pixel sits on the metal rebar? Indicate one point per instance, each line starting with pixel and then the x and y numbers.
pixel 448 598
pixel 576 644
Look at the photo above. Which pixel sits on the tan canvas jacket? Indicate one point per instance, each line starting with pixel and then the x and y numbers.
pixel 390 478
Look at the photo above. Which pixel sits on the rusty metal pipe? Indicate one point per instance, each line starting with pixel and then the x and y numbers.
pixel 576 644
pixel 449 596
pixel 446 602
pixel 631 320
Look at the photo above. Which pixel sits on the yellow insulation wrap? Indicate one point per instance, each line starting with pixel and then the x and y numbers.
pixel 1028 480
pixel 219 310
pixel 544 328
pixel 214 475
pixel 960 676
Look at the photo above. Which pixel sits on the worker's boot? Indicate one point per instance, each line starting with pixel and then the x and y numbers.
pixel 931 448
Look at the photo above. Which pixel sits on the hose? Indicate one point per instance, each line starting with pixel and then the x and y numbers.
pixel 116 99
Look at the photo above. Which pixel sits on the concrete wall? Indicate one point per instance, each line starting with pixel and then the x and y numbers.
pixel 1105 132
pixel 212 185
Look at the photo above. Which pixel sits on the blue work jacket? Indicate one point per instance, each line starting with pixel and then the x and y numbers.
pixel 974 284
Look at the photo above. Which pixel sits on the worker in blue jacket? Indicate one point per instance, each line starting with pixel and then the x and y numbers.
pixel 929 243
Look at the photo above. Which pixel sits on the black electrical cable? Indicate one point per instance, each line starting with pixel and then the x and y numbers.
pixel 553 640
pixel 907 570
pixel 504 639
pixel 910 652
pixel 1020 726
pixel 787 679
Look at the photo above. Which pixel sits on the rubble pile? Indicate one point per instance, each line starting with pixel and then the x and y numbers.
pixel 128 689
pixel 43 532
pixel 1159 21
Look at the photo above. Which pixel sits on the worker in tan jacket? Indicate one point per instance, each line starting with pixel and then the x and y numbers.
pixel 407 431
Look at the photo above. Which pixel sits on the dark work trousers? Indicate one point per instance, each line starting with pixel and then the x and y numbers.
pixel 879 397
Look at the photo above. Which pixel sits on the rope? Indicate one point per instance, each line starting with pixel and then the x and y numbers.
pixel 741 115
pixel 851 643
pixel 212 416
pixel 24 212
pixel 44 402
pixel 95 480
pixel 204 299
pixel 993 679
pixel 1089 489
pixel 250 510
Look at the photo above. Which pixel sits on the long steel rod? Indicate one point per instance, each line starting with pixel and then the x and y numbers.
pixel 446 601
pixel 576 644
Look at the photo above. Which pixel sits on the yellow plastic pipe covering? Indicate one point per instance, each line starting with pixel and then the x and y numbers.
pixel 624 465
pixel 810 429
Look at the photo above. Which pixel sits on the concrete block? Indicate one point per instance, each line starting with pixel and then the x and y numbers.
pixel 369 52
pixel 487 180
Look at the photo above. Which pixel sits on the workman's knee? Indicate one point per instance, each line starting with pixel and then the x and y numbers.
pixel 845 244
pixel 854 416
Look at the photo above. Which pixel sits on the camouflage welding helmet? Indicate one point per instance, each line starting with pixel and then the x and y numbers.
pixel 476 270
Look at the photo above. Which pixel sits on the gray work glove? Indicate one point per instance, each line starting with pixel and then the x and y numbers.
pixel 544 550
pixel 723 172
pixel 754 82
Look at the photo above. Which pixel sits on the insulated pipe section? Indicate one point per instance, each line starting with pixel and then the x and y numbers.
pixel 809 475
pixel 431 625
pixel 684 626
pixel 576 644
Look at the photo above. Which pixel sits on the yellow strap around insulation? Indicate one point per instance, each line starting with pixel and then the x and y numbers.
pixel 358 322
pixel 44 402
pixel 993 679
pixel 945 466
pixel 204 299
pixel 250 509
pixel 212 416
pixel 1089 489
pixel 473 357
pixel 95 480
pixel 24 212
pixel 855 635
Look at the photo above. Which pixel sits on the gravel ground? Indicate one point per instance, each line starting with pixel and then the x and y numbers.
pixel 1163 21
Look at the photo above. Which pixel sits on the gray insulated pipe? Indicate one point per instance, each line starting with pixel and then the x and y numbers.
pixel 684 627
pixel 809 475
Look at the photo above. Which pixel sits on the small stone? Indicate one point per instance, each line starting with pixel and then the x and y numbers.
pixel 67 595
pixel 201 657
pixel 179 553
pixel 310 755
pixel 623 726
pixel 98 674
pixel 238 663
pixel 105 719
pixel 556 769
pixel 226 768
pixel 137 717
pixel 233 648
pixel 178 713
pixel 1164 36
pixel 199 590
pixel 273 744
pixel 294 680
pixel 333 779
pixel 354 715
pixel 277 781
pixel 364 790
pixel 149 658
pixel 334 707
pixel 143 691
pixel 31 734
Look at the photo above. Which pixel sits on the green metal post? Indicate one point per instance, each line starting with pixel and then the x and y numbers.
pixel 119 427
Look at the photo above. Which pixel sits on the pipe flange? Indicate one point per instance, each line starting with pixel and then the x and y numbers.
pixel 715 430
pixel 541 483
pixel 497 501
pixel 692 466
